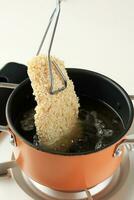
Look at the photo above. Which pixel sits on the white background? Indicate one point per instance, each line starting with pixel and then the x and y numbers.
pixel 93 34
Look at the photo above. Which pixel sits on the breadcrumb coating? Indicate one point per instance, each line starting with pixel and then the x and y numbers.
pixel 56 115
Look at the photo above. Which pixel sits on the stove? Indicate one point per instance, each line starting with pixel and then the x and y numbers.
pixel 17 185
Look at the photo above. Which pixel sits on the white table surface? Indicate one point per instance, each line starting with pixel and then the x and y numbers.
pixel 92 34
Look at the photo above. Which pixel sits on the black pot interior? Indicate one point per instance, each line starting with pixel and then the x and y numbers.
pixel 87 83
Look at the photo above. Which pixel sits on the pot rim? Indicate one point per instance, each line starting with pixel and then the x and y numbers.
pixel 124 132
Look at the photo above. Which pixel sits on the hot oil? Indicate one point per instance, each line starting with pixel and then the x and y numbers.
pixel 99 125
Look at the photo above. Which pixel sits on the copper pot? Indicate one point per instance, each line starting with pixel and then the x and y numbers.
pixel 70 172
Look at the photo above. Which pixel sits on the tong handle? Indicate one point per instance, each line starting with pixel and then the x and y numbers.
pixel 57 8
pixel 63 78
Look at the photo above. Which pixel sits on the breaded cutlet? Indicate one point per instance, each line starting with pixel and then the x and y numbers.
pixel 56 115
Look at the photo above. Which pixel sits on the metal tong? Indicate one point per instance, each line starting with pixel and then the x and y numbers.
pixel 50 62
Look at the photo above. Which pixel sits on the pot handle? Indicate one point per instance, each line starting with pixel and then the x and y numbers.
pixel 13 73
pixel 131 97
pixel 8 86
pixel 5 91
